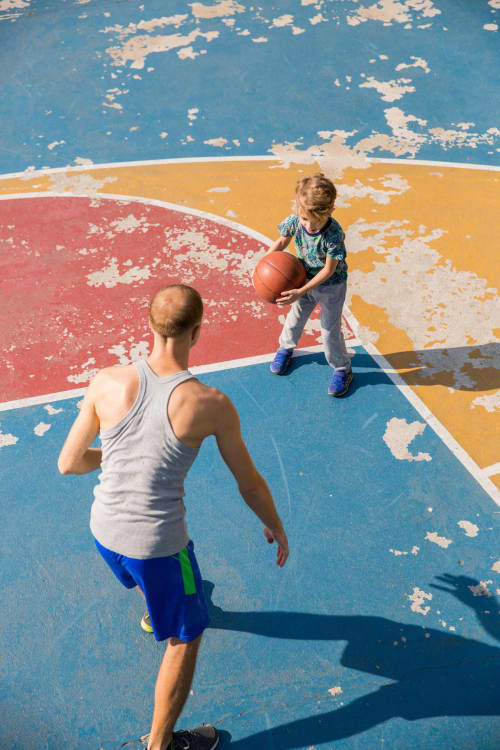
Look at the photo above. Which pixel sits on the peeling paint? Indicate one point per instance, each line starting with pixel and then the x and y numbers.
pixel 399 434
pixel 396 185
pixel 222 8
pixel 41 428
pixel 425 304
pixel 418 62
pixel 489 402
pixel 470 528
pixel 52 145
pixel 390 90
pixel 389 11
pixel 397 553
pixel 217 142
pixel 110 276
pixel 481 589
pixel 7 439
pixel 52 410
pixel 441 541
pixel 13 4
pixel 418 598
pixel 137 49
pixel 337 690
pixel 82 184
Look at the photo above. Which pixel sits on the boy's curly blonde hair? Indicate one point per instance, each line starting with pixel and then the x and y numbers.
pixel 316 195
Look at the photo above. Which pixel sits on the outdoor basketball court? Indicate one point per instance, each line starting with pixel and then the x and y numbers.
pixel 140 149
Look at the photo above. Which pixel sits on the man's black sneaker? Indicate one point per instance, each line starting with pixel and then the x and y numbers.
pixel 205 737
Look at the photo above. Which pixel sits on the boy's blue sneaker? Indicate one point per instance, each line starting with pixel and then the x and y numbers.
pixel 340 382
pixel 281 361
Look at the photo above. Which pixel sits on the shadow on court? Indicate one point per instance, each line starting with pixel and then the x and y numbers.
pixel 435 673
pixel 466 368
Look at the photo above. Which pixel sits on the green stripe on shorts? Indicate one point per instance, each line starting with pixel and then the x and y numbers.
pixel 187 572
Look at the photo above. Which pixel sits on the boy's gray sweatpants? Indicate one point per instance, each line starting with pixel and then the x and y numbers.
pixel 331 298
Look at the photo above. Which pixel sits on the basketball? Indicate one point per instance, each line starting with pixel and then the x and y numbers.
pixel 277 272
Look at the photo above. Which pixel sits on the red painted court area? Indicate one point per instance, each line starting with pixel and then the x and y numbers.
pixel 77 275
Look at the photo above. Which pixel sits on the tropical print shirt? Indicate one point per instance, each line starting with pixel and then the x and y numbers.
pixel 313 249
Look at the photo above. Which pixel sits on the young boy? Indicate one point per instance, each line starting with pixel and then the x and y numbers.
pixel 319 240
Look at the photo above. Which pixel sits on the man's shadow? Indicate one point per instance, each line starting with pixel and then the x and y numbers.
pixel 435 673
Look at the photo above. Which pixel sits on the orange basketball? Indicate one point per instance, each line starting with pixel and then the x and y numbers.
pixel 277 272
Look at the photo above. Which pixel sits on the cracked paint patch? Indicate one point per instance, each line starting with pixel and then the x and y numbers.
pixel 53 145
pixel 490 402
pixel 390 90
pixel 220 9
pixel 41 428
pixel 408 133
pixel 334 691
pixel 7 439
pixel 217 142
pixel 398 436
pixel 425 305
pixel 394 11
pixel 397 552
pixel 418 62
pixel 52 410
pixel 441 541
pixel 470 528
pixel 82 184
pixel 418 598
pixel 127 352
pixel 136 49
pixel 481 589
pixel 394 185
pixel 110 275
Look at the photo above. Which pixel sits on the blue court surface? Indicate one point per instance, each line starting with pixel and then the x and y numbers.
pixel 145 142
pixel 381 630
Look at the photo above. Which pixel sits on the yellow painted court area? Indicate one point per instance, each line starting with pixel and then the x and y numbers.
pixel 424 271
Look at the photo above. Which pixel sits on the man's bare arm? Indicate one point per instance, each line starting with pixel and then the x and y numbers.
pixel 252 486
pixel 76 456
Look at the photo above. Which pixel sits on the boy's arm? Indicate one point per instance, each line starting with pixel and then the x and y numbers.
pixel 76 456
pixel 279 244
pixel 290 295
pixel 252 486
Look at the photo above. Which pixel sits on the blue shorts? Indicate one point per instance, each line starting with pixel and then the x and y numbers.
pixel 173 589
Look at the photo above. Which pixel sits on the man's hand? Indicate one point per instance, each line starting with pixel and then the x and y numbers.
pixel 278 536
pixel 289 297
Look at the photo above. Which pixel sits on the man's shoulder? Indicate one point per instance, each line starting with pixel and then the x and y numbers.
pixel 112 378
pixel 203 409
pixel 114 373
pixel 203 396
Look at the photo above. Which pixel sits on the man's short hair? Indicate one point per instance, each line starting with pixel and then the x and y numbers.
pixel 175 309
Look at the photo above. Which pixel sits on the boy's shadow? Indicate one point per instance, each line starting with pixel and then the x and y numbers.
pixel 370 374
pixel 434 673
pixel 467 368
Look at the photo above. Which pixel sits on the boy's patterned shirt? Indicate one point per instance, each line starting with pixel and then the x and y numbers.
pixel 313 249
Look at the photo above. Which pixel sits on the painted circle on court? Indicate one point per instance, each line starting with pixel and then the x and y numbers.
pixel 79 273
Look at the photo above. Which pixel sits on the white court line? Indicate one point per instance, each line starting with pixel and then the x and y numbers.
pixel 480 475
pixel 230 364
pixel 243 228
pixel 29 174
pixel 490 471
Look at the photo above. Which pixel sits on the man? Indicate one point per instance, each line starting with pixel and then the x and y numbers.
pixel 153 416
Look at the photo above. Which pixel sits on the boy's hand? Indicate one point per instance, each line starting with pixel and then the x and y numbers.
pixel 289 297
pixel 278 536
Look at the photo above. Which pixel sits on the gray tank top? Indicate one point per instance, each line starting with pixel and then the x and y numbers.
pixel 138 510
